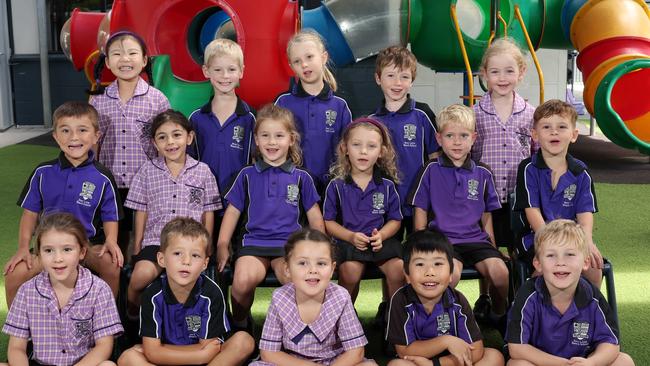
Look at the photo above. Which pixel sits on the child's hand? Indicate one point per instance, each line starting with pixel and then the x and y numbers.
pixel 595 257
pixel 211 349
pixel 376 240
pixel 114 250
pixel 360 241
pixel 460 349
pixel 580 361
pixel 419 360
pixel 22 255
pixel 222 256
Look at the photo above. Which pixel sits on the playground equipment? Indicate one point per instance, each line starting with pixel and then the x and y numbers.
pixel 612 36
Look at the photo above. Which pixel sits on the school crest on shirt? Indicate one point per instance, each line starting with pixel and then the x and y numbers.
pixel 193 323
pixel 580 334
pixel 330 120
pixel 82 328
pixel 237 137
pixel 195 196
pixel 569 193
pixel 378 203
pixel 444 324
pixel 292 194
pixel 410 133
pixel 86 194
pixel 472 189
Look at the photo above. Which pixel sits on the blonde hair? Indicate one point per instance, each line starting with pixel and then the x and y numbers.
pixel 505 45
pixel 342 167
pixel 185 227
pixel 283 115
pixel 309 35
pixel 457 114
pixel 400 57
pixel 76 109
pixel 561 232
pixel 223 47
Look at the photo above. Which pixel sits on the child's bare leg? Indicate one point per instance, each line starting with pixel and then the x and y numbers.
pixel 393 269
pixel 514 362
pixel 491 357
pixel 495 270
pixel 20 275
pixel 350 273
pixel 623 359
pixel 106 363
pixel 143 274
pixel 279 266
pixel 594 275
pixel 104 267
pixel 458 269
pixel 249 272
pixel 133 356
pixel 235 351
pixel 400 362
pixel 367 363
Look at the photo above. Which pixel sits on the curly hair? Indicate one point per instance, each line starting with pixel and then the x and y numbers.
pixel 277 113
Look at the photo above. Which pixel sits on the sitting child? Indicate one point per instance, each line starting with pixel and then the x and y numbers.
pixel 183 315
pixel 559 318
pixel 429 322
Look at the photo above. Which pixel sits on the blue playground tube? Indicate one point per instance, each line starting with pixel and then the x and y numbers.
pixel 320 19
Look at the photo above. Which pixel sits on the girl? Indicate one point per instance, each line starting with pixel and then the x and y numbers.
pixel 166 187
pixel 503 124
pixel 311 320
pixel 362 207
pixel 274 195
pixel 126 108
pixel 69 313
pixel 320 115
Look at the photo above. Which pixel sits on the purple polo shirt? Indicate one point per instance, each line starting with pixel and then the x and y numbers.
pixel 574 194
pixel 65 336
pixel 587 322
pixel 87 191
pixel 408 320
pixel 163 197
pixel 125 143
pixel 457 197
pixel 273 201
pixel 225 147
pixel 336 330
pixel 320 120
pixel 503 144
pixel 413 131
pixel 202 316
pixel 358 210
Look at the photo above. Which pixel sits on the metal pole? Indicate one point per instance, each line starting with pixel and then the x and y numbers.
pixel 41 16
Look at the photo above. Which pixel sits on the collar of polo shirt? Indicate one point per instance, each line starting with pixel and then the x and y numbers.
pixel 407 107
pixel 582 296
pixel 444 160
pixel 377 176
pixel 169 297
pixel 287 166
pixel 447 297
pixel 572 164
pixel 65 163
pixel 299 91
pixel 240 110
pixel 81 288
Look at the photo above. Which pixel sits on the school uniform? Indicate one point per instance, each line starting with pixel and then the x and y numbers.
pixel 87 191
pixel 320 120
pixel 413 132
pixel 574 194
pixel 273 202
pixel 224 146
pixel 587 322
pixel 336 330
pixel 63 336
pixel 408 320
pixel 202 316
pixel 457 197
pixel 362 211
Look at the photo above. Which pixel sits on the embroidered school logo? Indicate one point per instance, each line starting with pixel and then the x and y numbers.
pixel 472 189
pixel 569 193
pixel 580 334
pixel 193 323
pixel 195 195
pixel 330 117
pixel 410 130
pixel 444 324
pixel 82 329
pixel 292 194
pixel 238 134
pixel 86 194
pixel 378 203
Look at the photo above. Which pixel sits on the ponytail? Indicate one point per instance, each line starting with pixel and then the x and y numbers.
pixel 97 76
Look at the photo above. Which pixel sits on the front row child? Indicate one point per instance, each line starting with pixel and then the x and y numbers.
pixel 310 319
pixel 68 313
pixel 430 323
pixel 183 319
pixel 559 318
pixel 460 194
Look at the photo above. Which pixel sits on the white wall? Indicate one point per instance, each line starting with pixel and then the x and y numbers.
pixel 25 28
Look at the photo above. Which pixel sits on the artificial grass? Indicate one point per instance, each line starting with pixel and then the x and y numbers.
pixel 621 232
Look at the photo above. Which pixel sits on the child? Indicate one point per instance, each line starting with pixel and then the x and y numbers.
pixel 320 115
pixel 183 318
pixel 362 208
pixel 503 123
pixel 460 194
pixel 166 187
pixel 273 195
pixel 431 323
pixel 560 318
pixel 76 183
pixel 68 313
pixel 224 125
pixel 552 184
pixel 311 320
pixel 126 108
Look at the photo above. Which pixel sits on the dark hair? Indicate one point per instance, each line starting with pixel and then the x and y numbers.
pixel 398 56
pixel 308 234
pixel 427 241
pixel 554 107
pixel 64 222
pixel 76 109
pixel 170 115
pixel 185 227
pixel 101 61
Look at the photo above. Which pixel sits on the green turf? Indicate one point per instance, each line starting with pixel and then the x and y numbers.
pixel 621 231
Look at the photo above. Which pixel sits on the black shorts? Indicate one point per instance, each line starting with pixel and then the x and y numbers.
pixel 405 229
pixel 267 252
pixel 391 248
pixel 472 253
pixel 501 224
pixel 148 253
pixel 126 224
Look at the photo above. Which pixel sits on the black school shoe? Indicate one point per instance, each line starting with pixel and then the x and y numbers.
pixel 482 309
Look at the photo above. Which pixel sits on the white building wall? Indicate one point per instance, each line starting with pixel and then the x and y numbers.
pixel 25 28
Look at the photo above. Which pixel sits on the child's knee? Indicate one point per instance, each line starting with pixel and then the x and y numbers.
pixel 400 362
pixel 143 274
pixel 242 343
pixel 247 280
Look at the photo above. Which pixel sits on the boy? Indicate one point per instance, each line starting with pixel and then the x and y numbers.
pixel 76 183
pixel 460 194
pixel 431 323
pixel 552 184
pixel 183 314
pixel 560 318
